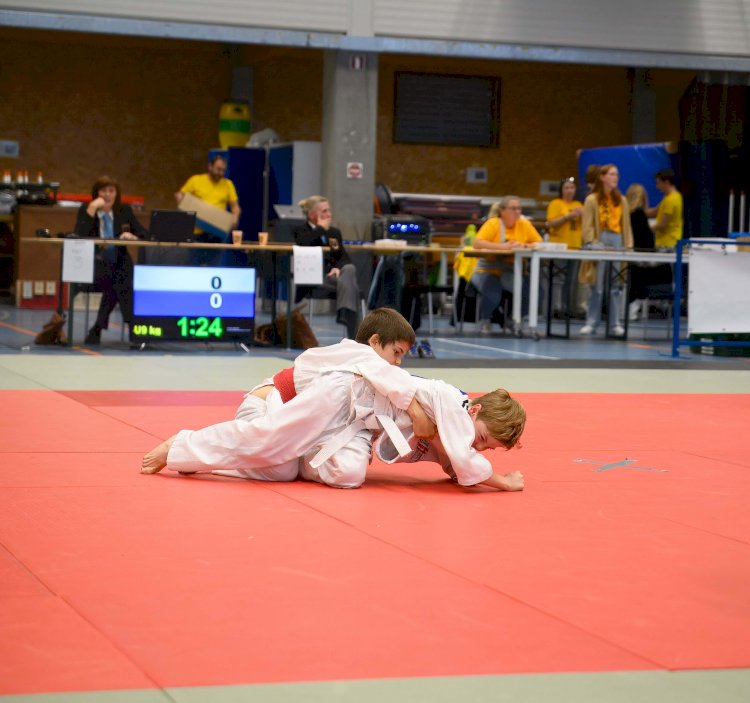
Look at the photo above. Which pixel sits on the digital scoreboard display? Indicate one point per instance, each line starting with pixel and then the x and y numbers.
pixel 185 303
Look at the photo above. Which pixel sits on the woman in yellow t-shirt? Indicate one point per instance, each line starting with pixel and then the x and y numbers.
pixel 606 225
pixel 564 216
pixel 564 226
pixel 494 274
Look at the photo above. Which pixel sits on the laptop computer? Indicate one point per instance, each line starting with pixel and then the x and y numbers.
pixel 171 226
pixel 286 212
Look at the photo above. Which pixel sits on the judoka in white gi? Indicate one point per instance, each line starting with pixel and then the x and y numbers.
pixel 346 397
pixel 329 389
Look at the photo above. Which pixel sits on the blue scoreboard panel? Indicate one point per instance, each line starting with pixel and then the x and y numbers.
pixel 183 303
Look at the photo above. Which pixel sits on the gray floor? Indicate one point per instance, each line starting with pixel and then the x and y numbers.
pixel 472 362
pixel 648 344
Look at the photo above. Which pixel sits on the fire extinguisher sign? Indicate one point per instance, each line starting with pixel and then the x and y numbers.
pixel 354 169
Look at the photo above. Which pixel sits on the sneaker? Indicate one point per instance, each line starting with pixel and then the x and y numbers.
pixel 587 329
pixel 413 351
pixel 634 310
pixel 425 350
pixel 618 331
pixel 485 327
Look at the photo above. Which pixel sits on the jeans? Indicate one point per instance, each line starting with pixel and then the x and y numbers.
pixel 491 288
pixel 607 240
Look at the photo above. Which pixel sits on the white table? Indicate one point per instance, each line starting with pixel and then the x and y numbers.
pixel 536 255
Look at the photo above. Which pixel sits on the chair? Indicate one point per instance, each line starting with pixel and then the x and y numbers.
pixel 362 263
pixel 659 293
pixel 467 301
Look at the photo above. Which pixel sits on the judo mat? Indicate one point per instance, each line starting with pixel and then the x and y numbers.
pixel 627 552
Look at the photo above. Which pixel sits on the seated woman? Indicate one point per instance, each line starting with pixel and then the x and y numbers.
pixel 340 273
pixel 505 233
pixel 105 217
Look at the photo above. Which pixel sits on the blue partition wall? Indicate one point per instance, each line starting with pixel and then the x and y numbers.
pixel 280 173
pixel 637 163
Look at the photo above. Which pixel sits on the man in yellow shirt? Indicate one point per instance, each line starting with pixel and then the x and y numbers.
pixel 216 190
pixel 668 227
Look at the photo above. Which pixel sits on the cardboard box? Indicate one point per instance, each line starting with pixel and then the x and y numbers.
pixel 209 218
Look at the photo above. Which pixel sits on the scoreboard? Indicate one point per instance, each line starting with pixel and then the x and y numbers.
pixel 184 303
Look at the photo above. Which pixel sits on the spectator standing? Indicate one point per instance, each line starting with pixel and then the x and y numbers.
pixel 644 279
pixel 564 226
pixel 213 188
pixel 669 220
pixel 606 225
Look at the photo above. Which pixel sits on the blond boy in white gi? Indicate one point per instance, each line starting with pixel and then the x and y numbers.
pixel 465 428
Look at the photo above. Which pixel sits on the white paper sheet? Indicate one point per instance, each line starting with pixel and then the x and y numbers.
pixel 308 266
pixel 78 261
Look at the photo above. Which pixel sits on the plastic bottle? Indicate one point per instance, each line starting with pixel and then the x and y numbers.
pixel 39 177
pixel 469 235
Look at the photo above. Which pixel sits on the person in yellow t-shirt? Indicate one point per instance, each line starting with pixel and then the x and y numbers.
pixel 606 225
pixel 564 216
pixel 216 190
pixel 668 214
pixel 564 226
pixel 507 232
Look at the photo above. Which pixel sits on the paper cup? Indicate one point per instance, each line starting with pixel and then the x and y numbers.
pixel 236 237
pixel 262 238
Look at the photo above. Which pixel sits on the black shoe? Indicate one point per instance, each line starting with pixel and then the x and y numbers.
pixel 94 336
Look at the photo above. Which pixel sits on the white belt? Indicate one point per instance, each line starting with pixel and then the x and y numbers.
pixel 374 420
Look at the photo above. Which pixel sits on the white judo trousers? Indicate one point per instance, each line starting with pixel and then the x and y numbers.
pixel 334 406
pixel 278 442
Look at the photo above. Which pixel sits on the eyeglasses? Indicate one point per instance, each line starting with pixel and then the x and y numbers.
pixel 513 207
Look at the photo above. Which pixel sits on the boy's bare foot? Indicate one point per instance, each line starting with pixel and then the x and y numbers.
pixel 156 459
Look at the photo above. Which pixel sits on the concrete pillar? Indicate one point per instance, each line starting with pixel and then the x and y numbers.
pixel 349 139
pixel 643 114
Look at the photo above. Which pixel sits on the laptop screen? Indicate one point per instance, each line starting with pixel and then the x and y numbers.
pixel 171 226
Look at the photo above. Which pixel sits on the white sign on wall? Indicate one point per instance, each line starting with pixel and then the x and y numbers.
pixel 354 169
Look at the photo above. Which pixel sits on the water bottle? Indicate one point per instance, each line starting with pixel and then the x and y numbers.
pixel 469 235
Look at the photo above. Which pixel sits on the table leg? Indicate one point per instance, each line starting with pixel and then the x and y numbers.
pixel 71 297
pixel 534 294
pixel 517 292
pixel 289 307
pixel 274 296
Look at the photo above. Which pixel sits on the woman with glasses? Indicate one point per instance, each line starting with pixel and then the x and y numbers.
pixel 504 233
pixel 606 225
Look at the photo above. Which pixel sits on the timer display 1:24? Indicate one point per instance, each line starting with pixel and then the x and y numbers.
pixel 200 327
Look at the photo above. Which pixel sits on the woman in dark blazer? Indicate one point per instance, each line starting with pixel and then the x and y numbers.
pixel 340 274
pixel 106 217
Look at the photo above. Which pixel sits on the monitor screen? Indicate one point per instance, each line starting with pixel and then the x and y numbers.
pixel 187 303
pixel 171 226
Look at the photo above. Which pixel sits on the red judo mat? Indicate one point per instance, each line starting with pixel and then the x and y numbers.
pixel 628 550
